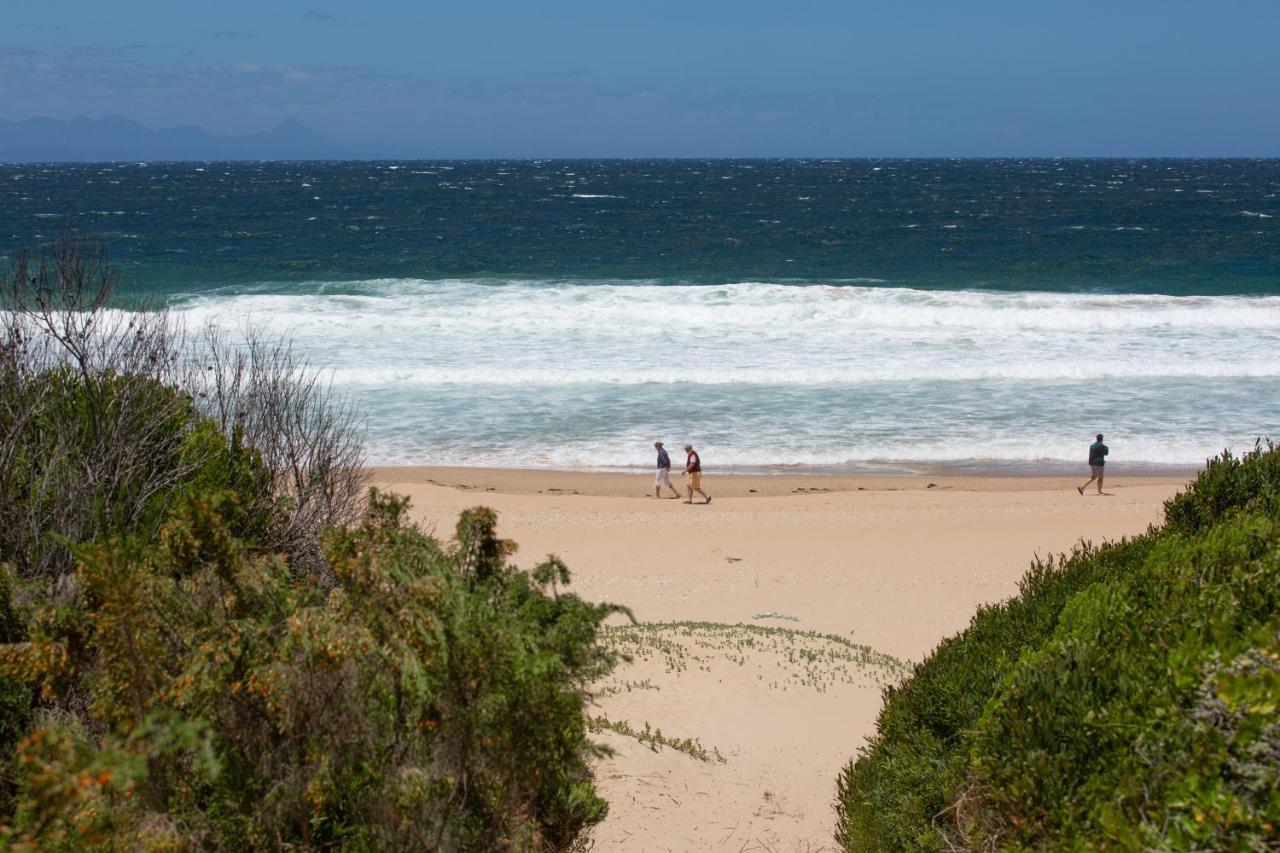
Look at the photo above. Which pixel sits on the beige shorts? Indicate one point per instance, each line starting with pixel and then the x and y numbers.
pixel 693 479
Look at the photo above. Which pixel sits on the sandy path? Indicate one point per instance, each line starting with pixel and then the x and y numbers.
pixel 896 566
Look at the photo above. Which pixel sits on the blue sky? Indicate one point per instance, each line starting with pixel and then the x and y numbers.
pixel 692 78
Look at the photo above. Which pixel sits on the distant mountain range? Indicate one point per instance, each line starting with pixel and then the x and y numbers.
pixel 84 139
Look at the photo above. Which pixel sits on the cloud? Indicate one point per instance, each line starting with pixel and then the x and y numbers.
pixel 106 52
pixel 563 74
pixel 279 71
pixel 313 15
pixel 239 95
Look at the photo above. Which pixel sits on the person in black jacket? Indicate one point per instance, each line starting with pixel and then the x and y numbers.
pixel 664 473
pixel 1097 462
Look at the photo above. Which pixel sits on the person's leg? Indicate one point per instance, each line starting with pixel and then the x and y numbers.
pixel 1081 489
pixel 697 487
pixel 1100 482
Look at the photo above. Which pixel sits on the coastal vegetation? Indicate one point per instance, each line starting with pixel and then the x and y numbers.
pixel 776 656
pixel 1128 697
pixel 771 658
pixel 655 739
pixel 211 636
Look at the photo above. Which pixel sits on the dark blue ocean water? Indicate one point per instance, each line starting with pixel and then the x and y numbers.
pixel 1147 226
pixel 800 312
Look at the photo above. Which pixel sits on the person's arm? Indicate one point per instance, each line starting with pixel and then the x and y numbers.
pixel 1105 450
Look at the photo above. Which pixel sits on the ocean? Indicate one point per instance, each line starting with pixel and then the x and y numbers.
pixel 880 315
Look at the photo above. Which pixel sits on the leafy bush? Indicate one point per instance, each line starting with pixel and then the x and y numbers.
pixel 894 796
pixel 90 457
pixel 1149 719
pixel 1128 695
pixel 1228 484
pixel 205 696
pixel 15 696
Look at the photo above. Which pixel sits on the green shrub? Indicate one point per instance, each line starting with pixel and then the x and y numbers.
pixel 1092 707
pixel 1228 483
pixel 64 485
pixel 92 457
pixel 1135 723
pixel 894 796
pixel 432 699
pixel 200 648
pixel 15 697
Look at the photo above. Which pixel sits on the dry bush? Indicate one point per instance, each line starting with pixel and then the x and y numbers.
pixel 87 434
pixel 99 406
pixel 260 390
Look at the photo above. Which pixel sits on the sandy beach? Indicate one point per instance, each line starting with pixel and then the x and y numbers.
pixel 770 620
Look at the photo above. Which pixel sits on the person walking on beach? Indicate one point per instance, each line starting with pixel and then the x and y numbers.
pixel 1097 461
pixel 664 473
pixel 693 474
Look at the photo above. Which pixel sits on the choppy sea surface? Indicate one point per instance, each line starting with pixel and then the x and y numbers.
pixel 851 313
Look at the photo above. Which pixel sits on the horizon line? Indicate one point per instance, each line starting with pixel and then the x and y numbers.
pixel 481 158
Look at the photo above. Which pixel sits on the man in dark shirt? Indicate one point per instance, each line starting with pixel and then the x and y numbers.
pixel 664 473
pixel 1097 462
pixel 693 474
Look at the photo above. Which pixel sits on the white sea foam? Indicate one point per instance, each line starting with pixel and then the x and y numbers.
pixel 1055 371
pixel 786 310
pixel 731 451
pixel 569 373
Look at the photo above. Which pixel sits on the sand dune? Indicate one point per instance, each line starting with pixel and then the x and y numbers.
pixel 758 710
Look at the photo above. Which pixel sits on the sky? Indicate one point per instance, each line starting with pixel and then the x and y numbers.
pixel 696 78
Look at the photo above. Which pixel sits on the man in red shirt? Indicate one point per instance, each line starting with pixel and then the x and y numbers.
pixel 693 474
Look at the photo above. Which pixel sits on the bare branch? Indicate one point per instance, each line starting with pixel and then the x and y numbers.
pixel 97 406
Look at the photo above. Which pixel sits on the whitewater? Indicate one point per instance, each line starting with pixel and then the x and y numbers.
pixel 572 373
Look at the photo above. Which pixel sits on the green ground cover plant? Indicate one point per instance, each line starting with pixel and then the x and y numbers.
pixel 1128 697
pixel 655 739
pixel 808 659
